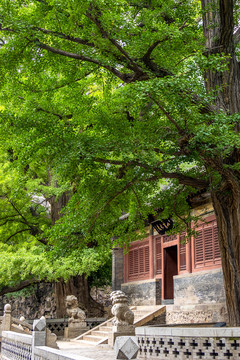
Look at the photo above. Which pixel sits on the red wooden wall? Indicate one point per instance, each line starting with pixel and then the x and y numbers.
pixel 145 258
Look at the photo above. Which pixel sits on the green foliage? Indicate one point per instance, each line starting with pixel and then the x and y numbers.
pixel 106 102
pixel 27 292
pixel 103 276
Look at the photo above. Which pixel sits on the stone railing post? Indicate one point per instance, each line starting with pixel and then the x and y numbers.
pixel 7 318
pixel 38 334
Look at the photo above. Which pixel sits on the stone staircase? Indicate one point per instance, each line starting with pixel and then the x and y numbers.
pixel 99 334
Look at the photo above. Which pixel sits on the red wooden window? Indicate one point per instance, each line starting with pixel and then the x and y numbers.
pixel 182 253
pixel 206 248
pixel 158 255
pixel 138 262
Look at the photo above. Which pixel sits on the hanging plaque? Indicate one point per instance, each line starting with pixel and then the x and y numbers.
pixel 162 226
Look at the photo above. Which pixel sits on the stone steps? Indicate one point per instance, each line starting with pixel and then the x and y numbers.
pixel 92 338
pixel 99 335
pixel 105 328
pixel 86 343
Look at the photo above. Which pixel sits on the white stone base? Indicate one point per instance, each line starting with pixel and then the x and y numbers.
pixel 75 329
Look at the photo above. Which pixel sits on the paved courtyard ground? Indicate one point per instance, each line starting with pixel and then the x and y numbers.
pixel 102 352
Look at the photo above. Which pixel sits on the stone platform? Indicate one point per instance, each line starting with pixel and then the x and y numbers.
pixel 100 352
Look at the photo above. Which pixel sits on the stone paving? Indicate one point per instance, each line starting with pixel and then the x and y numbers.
pixel 101 352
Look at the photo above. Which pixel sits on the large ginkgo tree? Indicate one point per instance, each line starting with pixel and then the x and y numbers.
pixel 128 105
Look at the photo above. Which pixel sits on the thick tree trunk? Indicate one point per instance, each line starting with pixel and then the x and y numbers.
pixel 226 203
pixel 218 26
pixel 78 286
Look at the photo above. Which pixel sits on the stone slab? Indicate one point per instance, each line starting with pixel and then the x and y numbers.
pixel 99 352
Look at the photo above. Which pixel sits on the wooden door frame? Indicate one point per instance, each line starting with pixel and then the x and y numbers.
pixel 164 246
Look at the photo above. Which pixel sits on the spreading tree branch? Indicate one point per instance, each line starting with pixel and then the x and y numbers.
pixel 17 232
pixel 55 114
pixel 124 77
pixel 183 179
pixel 179 129
pixel 11 220
pixel 96 216
pixel 21 285
pixel 158 172
pixel 175 208
pixel 65 37
pixel 33 229
pixel 147 55
pixel 19 213
pixel 97 22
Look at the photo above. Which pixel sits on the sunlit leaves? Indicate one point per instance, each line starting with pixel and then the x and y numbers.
pixel 109 127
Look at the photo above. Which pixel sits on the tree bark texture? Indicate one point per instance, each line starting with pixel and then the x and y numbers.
pixel 57 204
pixel 78 286
pixel 226 202
pixel 218 28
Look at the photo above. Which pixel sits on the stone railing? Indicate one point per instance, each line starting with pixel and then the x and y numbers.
pixel 57 326
pixel 188 343
pixel 16 346
pixel 21 347
pixel 93 322
pixel 9 323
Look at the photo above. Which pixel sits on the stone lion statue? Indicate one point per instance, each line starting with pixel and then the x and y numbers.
pixel 73 311
pixel 123 315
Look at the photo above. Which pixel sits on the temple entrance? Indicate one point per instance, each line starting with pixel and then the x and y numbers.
pixel 170 269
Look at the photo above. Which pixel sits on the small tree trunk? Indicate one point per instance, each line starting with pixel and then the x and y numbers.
pixel 78 286
pixel 226 203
